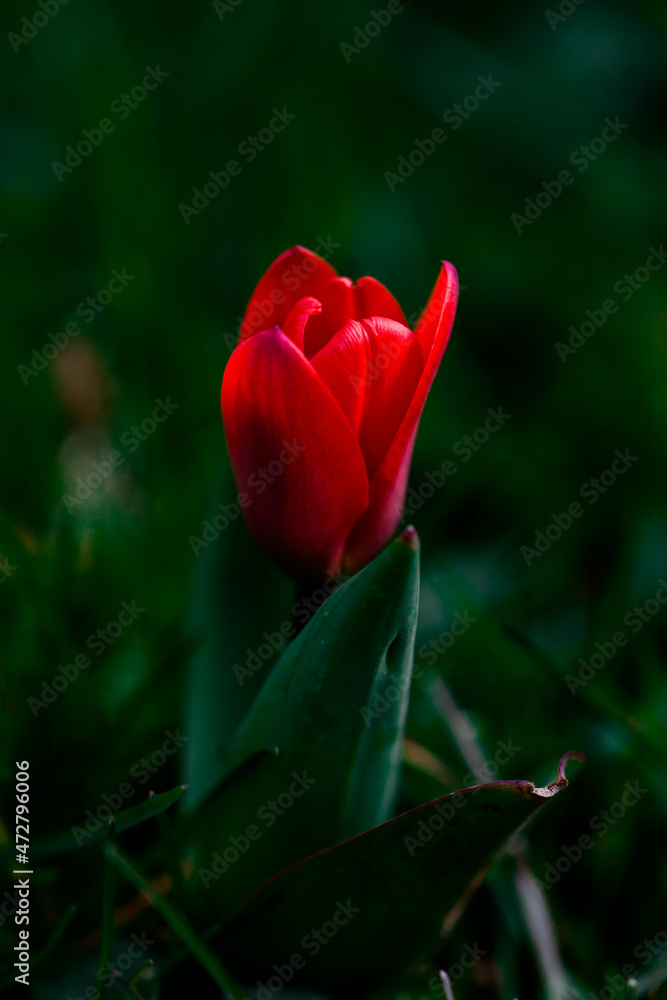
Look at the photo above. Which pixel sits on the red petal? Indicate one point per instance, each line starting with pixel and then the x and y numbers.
pixel 342 301
pixel 372 367
pixel 338 307
pixel 379 521
pixel 300 313
pixel 439 312
pixel 373 299
pixel 297 273
pixel 274 403
pixel 388 487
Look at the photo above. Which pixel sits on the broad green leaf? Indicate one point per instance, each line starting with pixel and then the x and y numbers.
pixel 335 706
pixel 361 911
pixel 231 604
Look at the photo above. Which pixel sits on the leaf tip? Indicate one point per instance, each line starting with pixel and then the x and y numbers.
pixel 560 781
pixel 410 538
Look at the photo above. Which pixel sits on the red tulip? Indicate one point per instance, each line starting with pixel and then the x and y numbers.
pixel 321 399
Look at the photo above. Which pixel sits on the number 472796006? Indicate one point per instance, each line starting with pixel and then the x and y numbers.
pixel 22 812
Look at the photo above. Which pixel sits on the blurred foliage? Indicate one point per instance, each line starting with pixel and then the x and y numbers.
pixel 166 336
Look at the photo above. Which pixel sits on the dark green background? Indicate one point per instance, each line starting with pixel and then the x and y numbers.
pixel 164 336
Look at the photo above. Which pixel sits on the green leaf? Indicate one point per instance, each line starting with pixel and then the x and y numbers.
pixel 377 902
pixel 335 705
pixel 65 843
pixel 230 605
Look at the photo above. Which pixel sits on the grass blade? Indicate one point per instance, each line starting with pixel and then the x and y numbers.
pixel 65 843
pixel 178 923
pixel 108 913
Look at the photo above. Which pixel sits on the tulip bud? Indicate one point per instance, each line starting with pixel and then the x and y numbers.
pixel 321 400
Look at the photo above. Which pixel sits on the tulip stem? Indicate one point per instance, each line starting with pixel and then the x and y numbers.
pixel 309 597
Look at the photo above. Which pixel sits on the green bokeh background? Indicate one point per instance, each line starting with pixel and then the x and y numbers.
pixel 168 335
